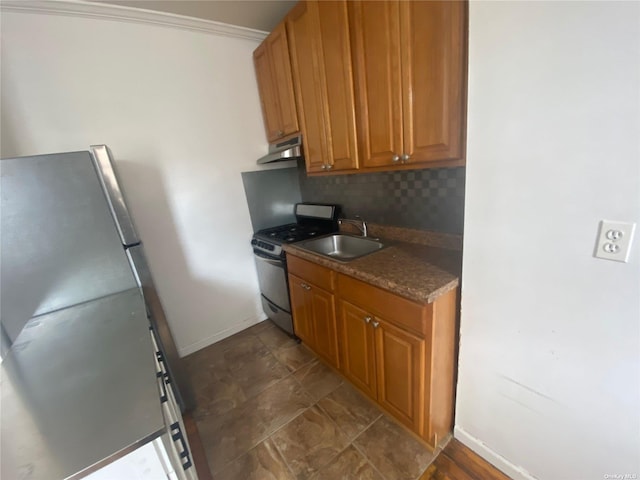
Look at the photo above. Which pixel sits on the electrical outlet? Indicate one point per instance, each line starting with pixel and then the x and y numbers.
pixel 614 240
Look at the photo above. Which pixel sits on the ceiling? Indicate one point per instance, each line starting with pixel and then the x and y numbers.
pixel 257 14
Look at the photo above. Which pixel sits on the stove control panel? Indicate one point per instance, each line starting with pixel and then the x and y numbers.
pixel 266 247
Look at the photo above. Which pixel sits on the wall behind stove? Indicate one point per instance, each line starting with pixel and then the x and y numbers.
pixel 430 199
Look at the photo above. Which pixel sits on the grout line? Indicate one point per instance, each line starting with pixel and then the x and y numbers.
pixel 284 460
pixel 368 461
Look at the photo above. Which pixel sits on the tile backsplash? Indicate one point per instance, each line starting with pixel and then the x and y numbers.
pixel 428 199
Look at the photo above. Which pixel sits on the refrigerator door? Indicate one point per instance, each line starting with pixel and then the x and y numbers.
pixel 158 320
pixel 58 244
pixel 115 198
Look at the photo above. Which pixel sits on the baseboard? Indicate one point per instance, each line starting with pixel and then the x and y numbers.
pixel 216 337
pixel 497 460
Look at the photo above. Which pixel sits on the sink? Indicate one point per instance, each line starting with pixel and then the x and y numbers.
pixel 342 247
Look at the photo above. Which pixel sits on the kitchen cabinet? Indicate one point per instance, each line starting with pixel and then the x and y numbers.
pixel 410 75
pixel 399 352
pixel 382 359
pixel 275 85
pixel 313 308
pixel 319 43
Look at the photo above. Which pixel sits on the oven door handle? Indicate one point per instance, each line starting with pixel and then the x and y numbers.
pixel 276 262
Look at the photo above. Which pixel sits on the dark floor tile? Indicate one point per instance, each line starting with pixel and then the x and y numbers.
pixel 227 437
pixel 218 396
pixel 318 379
pixel 293 356
pixel 275 338
pixel 244 350
pixel 394 452
pixel 350 409
pixel 259 327
pixel 255 376
pixel 263 462
pixel 348 465
pixel 309 442
pixel 280 403
pixel 205 359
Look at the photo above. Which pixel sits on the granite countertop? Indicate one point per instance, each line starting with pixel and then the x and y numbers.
pixel 79 390
pixel 418 271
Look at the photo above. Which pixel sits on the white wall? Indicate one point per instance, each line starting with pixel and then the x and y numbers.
pixel 549 379
pixel 180 111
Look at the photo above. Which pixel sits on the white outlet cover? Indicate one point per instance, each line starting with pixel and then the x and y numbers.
pixel 614 240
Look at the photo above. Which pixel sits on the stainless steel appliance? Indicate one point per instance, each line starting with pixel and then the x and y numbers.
pixel 60 247
pixel 311 220
pixel 282 151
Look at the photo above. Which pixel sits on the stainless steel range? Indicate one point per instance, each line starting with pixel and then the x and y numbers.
pixel 311 220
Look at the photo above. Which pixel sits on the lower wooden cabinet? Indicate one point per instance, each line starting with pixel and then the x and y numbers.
pixel 357 345
pixel 400 360
pixel 314 318
pixel 384 361
pixel 398 352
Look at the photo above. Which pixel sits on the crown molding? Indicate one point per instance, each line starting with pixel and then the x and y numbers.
pixel 103 11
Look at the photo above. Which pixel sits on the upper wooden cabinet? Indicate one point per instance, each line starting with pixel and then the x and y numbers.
pixel 378 85
pixel 320 50
pixel 410 81
pixel 275 85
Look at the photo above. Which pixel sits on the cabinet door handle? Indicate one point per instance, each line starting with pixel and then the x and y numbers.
pixel 395 158
pixel 405 158
pixel 375 324
pixel 367 319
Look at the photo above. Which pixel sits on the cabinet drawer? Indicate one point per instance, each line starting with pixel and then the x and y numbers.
pixel 389 306
pixel 311 272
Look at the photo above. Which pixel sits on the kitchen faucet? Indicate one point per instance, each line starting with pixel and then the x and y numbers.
pixel 358 222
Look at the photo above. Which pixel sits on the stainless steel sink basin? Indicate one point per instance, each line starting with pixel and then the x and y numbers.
pixel 342 247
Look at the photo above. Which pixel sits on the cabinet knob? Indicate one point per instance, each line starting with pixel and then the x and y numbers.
pixel 329 167
pixel 405 158
pixel 375 324
pixel 395 158
pixel 324 166
pixel 367 319
pixel 280 133
pixel 305 286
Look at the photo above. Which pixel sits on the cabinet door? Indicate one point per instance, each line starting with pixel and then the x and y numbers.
pixel 321 57
pixel 301 310
pixel 376 37
pixel 283 82
pixel 324 324
pixel 337 76
pixel 357 344
pixel 400 358
pixel 433 57
pixel 267 91
pixel 302 27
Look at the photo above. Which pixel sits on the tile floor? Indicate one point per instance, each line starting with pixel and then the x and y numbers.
pixel 268 409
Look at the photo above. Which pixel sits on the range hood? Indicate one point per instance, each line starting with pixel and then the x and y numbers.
pixel 286 150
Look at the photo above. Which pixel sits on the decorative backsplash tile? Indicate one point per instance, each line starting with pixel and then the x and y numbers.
pixel 430 199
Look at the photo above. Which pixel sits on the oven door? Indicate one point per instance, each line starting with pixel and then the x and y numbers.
pixel 272 278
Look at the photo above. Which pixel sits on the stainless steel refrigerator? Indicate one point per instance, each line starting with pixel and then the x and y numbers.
pixel 67 238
